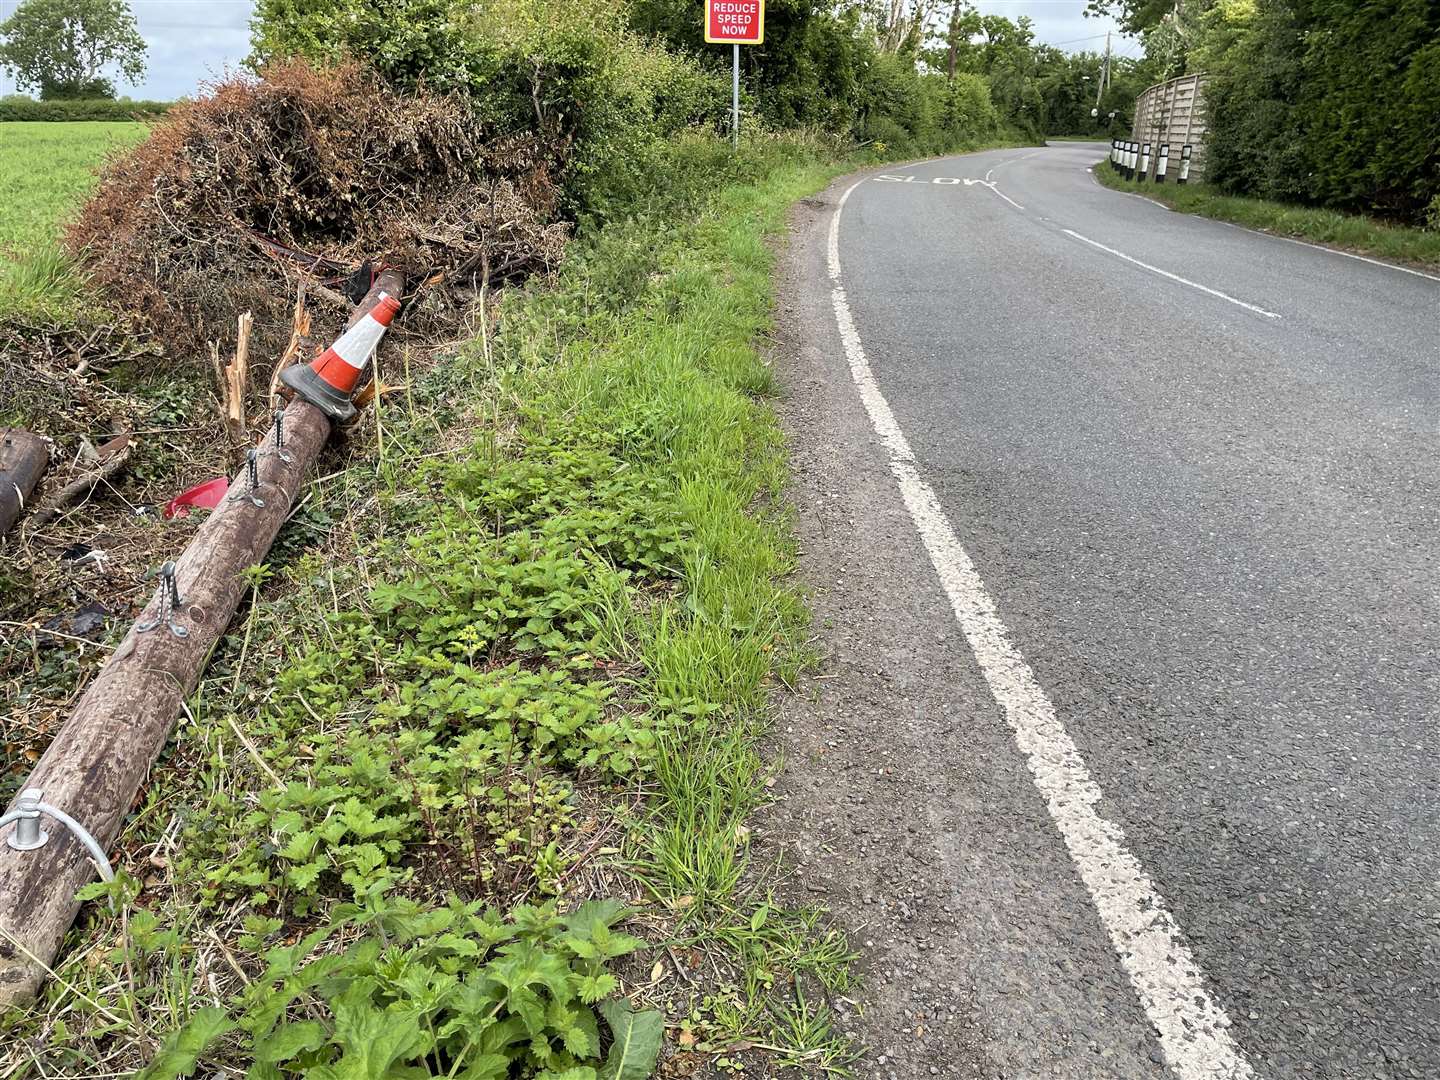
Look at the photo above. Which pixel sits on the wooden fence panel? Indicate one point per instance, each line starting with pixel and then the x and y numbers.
pixel 1173 112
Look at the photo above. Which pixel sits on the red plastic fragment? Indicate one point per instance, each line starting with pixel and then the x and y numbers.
pixel 206 496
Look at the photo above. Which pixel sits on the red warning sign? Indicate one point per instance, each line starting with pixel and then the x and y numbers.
pixel 735 22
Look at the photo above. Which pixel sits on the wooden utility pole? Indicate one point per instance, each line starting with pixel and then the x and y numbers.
pixel 1104 76
pixel 23 457
pixel 954 29
pixel 97 762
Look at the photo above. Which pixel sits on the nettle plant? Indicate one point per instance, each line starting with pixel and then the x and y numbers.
pixel 450 992
pixel 438 731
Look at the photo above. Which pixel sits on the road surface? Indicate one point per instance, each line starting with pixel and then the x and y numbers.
pixel 1122 526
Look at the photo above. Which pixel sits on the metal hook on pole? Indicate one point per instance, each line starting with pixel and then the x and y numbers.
pixel 170 603
pixel 280 451
pixel 252 476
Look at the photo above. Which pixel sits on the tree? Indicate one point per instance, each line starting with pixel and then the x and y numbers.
pixel 63 48
pixel 1134 16
pixel 901 24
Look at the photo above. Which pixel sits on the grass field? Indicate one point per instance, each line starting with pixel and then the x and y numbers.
pixel 45 172
pixel 1350 232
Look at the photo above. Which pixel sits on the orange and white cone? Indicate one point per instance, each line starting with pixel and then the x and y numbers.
pixel 329 382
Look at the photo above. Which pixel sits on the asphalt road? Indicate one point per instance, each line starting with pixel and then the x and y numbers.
pixel 1195 469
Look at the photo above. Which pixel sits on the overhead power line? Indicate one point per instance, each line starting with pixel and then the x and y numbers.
pixel 1072 41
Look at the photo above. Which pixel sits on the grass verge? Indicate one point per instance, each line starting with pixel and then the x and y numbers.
pixel 1348 232
pixel 498 692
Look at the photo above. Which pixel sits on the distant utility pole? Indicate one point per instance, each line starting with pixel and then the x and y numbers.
pixel 1104 74
pixel 954 29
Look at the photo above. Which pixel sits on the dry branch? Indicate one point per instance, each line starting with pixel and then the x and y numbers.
pixel 232 378
pixel 299 331
pixel 112 461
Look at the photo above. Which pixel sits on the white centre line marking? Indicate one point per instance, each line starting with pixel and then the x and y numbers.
pixel 1173 277
pixel 1193 1029
pixel 1002 195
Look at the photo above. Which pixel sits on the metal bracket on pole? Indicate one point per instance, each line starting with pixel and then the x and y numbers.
pixel 170 602
pixel 28 835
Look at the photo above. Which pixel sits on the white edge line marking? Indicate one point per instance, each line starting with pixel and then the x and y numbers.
pixel 1137 195
pixel 1193 1029
pixel 1273 236
pixel 1002 195
pixel 1173 277
pixel 1329 250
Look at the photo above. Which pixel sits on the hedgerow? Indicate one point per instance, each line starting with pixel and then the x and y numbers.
pixel 18 107
pixel 610 82
pixel 570 76
pixel 1336 103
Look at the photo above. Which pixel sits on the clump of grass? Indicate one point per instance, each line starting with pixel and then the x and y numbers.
pixel 44 285
pixel 1351 232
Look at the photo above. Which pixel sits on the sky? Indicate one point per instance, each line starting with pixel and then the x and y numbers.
pixel 192 40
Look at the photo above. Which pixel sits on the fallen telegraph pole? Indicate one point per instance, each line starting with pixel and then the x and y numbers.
pixel 97 762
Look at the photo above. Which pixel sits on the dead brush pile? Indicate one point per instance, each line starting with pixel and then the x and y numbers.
pixel 309 173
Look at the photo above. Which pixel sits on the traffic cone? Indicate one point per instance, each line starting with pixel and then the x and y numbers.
pixel 329 382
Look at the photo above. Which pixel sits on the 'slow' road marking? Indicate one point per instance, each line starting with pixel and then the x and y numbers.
pixel 1193 1029
pixel 1173 277
pixel 949 181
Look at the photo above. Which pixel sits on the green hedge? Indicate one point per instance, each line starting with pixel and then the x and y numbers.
pixel 609 82
pixel 1332 102
pixel 24 108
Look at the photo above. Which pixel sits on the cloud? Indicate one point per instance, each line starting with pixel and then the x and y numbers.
pixel 190 40
pixel 1061 23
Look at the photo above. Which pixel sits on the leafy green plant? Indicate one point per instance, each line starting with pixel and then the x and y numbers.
pixel 463 745
pixel 447 992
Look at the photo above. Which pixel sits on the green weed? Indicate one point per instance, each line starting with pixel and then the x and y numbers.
pixel 452 991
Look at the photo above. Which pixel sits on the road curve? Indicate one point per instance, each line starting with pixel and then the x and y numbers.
pixel 1193 470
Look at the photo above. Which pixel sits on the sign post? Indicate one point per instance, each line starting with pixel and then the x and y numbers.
pixel 735 97
pixel 736 23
